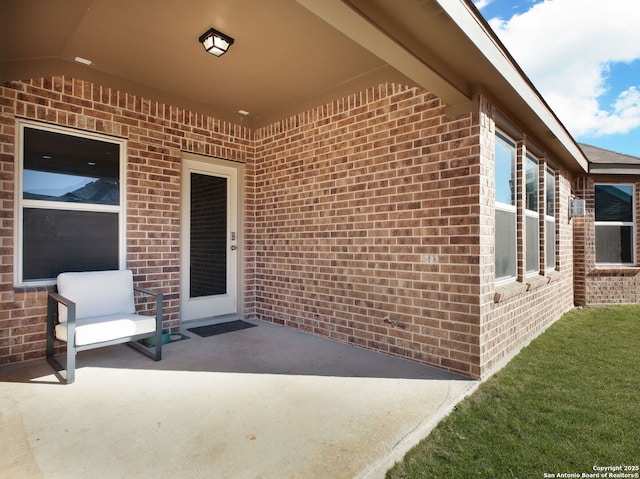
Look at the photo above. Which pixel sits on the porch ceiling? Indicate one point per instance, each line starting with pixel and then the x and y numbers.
pixel 283 57
pixel 288 55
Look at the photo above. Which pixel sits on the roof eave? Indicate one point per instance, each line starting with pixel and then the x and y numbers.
pixel 384 29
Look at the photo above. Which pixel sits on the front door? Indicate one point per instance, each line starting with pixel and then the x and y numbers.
pixel 209 243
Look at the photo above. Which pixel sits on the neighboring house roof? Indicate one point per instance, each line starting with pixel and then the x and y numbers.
pixel 603 161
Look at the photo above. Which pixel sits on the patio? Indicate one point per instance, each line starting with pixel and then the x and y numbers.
pixel 267 402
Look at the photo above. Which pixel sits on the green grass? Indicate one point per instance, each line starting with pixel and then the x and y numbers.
pixel 567 402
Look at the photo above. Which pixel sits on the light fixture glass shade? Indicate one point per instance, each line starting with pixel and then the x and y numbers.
pixel 215 42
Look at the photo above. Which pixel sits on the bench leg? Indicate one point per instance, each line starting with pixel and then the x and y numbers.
pixel 71 364
pixel 51 359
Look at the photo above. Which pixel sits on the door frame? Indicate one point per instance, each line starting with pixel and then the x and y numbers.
pixel 207 163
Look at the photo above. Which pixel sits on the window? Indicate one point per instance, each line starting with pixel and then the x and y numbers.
pixel 70 203
pixel 532 218
pixel 505 171
pixel 550 220
pixel 615 231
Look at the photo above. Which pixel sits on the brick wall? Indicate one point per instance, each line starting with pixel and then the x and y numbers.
pixel 366 226
pixel 602 284
pixel 156 134
pixel 514 313
pixel 368 220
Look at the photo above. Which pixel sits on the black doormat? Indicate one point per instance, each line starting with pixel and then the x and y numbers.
pixel 221 328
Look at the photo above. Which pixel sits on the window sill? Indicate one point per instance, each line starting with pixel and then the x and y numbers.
pixel 615 271
pixel 33 289
pixel 507 291
pixel 535 282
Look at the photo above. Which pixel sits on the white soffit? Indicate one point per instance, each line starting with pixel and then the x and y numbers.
pixel 440 78
pixel 348 21
pixel 495 54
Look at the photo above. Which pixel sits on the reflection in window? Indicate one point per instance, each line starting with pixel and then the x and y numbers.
pixel 615 230
pixel 550 219
pixel 71 207
pixel 531 215
pixel 70 168
pixel 505 171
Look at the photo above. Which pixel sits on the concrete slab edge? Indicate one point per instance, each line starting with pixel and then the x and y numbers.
pixel 379 469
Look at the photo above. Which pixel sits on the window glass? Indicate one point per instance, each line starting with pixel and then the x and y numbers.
pixel 506 259
pixel 505 171
pixel 71 208
pixel 550 244
pixel 58 240
pixel 70 168
pixel 550 193
pixel 550 221
pixel 614 244
pixel 533 243
pixel 506 262
pixel 614 203
pixel 531 198
pixel 615 228
pixel 532 225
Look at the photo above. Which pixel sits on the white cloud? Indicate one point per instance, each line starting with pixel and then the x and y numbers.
pixel 480 4
pixel 566 47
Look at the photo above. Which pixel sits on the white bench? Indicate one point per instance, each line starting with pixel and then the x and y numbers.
pixel 96 309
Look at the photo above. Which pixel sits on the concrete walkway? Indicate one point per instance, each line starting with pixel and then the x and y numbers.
pixel 264 402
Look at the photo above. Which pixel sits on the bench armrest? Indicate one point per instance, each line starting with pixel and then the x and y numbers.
pixel 159 297
pixel 52 315
pixel 52 306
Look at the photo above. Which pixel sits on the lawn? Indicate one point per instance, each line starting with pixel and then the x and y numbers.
pixel 568 404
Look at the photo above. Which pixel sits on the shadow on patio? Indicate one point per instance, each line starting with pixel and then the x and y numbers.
pixel 262 402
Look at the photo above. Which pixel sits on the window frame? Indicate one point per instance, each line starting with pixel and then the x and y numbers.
pixel 21 203
pixel 550 220
pixel 631 223
pixel 532 213
pixel 508 208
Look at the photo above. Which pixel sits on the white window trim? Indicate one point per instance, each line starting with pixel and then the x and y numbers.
pixel 21 203
pixel 532 214
pixel 550 219
pixel 508 208
pixel 620 223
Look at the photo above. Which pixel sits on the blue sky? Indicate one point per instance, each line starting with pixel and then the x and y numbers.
pixel 584 58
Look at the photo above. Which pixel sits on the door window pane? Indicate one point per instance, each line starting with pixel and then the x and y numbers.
pixel 208 267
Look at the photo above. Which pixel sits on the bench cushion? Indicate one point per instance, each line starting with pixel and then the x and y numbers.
pixel 107 328
pixel 97 293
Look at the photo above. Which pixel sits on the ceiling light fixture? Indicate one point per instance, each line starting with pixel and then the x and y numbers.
pixel 215 42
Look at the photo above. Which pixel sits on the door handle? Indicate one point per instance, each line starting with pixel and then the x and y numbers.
pixel 234 247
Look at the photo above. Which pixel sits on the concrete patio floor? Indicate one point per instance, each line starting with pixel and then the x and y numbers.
pixel 264 402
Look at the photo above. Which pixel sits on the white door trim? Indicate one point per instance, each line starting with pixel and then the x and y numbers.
pixel 191 310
